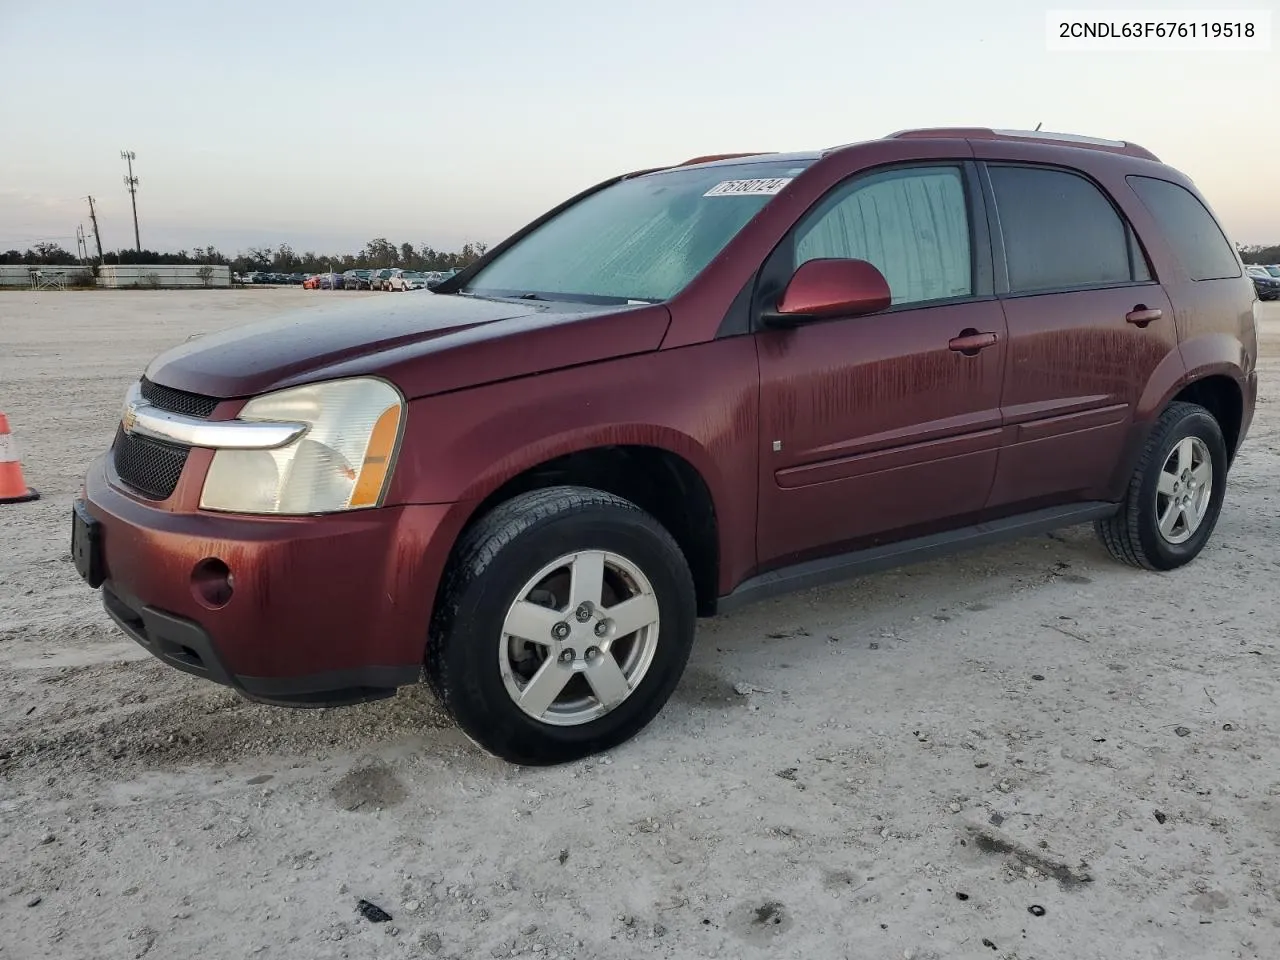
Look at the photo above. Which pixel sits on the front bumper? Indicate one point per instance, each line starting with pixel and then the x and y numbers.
pixel 187 646
pixel 323 610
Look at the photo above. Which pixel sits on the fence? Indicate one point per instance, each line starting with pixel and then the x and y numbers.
pixel 158 276
pixel 163 276
pixel 19 275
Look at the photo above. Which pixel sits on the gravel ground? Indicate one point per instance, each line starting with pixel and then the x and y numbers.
pixel 1028 752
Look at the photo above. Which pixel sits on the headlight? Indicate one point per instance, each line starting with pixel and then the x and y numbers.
pixel 342 462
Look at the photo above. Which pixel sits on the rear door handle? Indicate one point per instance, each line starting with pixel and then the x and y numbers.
pixel 1141 315
pixel 971 341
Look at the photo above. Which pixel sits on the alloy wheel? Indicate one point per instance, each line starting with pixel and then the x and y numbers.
pixel 1184 490
pixel 579 638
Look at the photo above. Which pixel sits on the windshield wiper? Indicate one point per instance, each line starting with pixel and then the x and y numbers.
pixel 532 296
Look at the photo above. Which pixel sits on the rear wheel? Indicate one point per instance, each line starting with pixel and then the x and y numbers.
pixel 1175 497
pixel 562 627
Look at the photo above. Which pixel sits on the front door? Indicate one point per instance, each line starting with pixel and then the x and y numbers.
pixel 877 424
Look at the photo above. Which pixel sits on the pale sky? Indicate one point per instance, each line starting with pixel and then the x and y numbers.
pixel 327 124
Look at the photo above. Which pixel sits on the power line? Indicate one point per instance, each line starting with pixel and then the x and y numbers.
pixel 131 182
pixel 36 239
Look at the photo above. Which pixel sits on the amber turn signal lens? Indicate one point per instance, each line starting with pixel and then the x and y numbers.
pixel 377 459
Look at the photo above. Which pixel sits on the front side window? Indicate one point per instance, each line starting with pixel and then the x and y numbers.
pixel 1061 232
pixel 912 224
pixel 642 239
pixel 1196 238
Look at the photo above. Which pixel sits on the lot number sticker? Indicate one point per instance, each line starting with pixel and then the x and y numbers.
pixel 748 188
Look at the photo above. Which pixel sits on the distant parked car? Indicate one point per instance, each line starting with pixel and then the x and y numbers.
pixel 378 279
pixel 1267 286
pixel 330 281
pixel 1273 269
pixel 407 280
pixel 357 279
pixel 312 282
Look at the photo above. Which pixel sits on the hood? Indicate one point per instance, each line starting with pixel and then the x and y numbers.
pixel 393 337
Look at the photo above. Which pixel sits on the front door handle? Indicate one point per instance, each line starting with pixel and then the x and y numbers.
pixel 970 342
pixel 1141 315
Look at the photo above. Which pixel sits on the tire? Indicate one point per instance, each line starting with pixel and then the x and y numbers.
pixel 1133 535
pixel 471 657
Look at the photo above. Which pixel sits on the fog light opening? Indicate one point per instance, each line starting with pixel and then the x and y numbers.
pixel 212 583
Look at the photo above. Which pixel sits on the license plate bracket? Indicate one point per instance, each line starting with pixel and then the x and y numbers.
pixel 86 545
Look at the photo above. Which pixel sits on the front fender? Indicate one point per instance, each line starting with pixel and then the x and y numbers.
pixel 700 403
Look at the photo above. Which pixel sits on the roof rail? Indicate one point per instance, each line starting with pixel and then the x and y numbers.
pixel 986 133
pixel 725 156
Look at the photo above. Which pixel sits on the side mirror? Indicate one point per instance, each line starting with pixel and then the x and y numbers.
pixel 822 289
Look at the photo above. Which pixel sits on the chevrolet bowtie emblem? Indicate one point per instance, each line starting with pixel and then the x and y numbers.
pixel 129 418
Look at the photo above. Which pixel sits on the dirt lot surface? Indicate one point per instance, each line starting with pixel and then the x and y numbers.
pixel 1026 752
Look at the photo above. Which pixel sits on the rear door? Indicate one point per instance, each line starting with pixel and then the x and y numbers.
pixel 1087 328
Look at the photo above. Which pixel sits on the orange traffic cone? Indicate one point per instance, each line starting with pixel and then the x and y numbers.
pixel 12 487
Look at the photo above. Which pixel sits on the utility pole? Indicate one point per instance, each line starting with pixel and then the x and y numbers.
pixel 82 251
pixel 131 182
pixel 97 237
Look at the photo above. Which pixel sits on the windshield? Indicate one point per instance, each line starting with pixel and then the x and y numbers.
pixel 642 239
pixel 1274 271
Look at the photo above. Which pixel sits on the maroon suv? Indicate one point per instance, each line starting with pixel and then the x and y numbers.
pixel 680 390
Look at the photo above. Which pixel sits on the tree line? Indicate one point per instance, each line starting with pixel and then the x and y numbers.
pixel 376 255
pixel 1261 254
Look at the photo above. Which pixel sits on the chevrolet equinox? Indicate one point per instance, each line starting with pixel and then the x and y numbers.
pixel 681 390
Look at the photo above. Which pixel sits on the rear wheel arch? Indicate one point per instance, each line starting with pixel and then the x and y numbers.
pixel 1215 382
pixel 1223 397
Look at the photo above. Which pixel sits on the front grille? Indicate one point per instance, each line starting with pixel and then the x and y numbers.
pixel 148 466
pixel 152 467
pixel 178 401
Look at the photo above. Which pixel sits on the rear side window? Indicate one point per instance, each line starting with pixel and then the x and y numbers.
pixel 912 224
pixel 1189 228
pixel 1060 232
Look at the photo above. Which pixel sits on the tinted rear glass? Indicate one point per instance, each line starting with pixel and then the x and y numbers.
pixel 1060 232
pixel 1189 228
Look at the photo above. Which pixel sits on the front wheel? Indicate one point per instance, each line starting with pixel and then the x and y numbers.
pixel 563 625
pixel 1175 496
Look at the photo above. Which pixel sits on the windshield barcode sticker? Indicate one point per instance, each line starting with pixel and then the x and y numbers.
pixel 748 188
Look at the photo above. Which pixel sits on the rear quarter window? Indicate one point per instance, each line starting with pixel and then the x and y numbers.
pixel 1188 227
